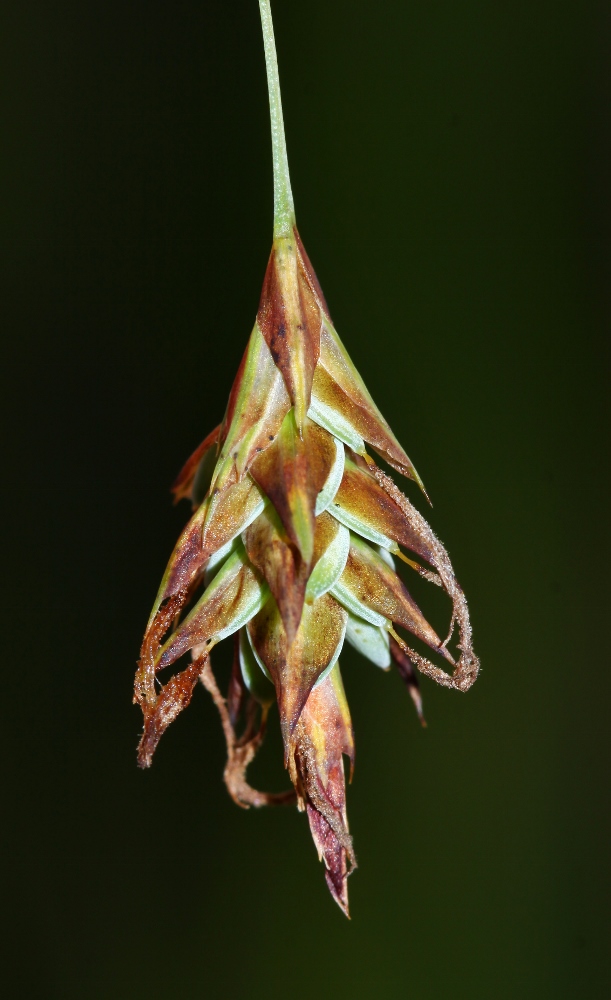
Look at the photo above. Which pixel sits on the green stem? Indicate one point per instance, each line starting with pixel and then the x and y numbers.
pixel 284 210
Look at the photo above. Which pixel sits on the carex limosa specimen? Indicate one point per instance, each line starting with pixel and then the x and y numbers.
pixel 291 550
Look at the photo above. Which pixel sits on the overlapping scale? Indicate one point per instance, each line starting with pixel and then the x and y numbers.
pixel 338 386
pixel 323 735
pixel 290 320
pixel 292 472
pixel 295 669
pixel 382 596
pixel 184 484
pixel 280 563
pixel 258 404
pixel 220 518
pixel 235 595
pixel 366 508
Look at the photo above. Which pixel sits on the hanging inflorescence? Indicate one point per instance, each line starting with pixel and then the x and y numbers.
pixel 291 551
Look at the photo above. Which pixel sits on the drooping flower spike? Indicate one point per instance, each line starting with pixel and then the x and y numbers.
pixel 291 548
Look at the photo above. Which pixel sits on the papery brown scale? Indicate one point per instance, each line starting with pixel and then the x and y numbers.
pixel 310 274
pixel 145 692
pixel 171 700
pixel 183 484
pixel 328 722
pixel 338 384
pixel 258 403
pixel 184 564
pixel 295 669
pixel 360 494
pixel 467 668
pixel 215 523
pixel 375 584
pixel 291 472
pixel 211 615
pixel 279 562
pixel 322 736
pixel 332 852
pixel 228 509
pixel 290 320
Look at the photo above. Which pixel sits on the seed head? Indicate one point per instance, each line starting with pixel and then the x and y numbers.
pixel 291 550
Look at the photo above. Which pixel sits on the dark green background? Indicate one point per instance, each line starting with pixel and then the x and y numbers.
pixel 450 166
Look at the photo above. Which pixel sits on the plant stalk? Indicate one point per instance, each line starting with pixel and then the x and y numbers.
pixel 284 210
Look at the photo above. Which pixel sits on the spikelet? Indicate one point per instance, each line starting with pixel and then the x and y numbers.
pixel 290 551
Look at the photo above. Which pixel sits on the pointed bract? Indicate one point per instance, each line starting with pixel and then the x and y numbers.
pixel 279 562
pixel 171 700
pixel 338 384
pixel 363 505
pixel 229 512
pixel 185 482
pixel 235 595
pixel 257 406
pixel 374 584
pixel 295 670
pixel 323 735
pixel 310 276
pixel 467 668
pixel 219 519
pixel 292 472
pixel 290 320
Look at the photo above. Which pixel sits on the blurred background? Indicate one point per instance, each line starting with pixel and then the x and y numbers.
pixel 450 166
